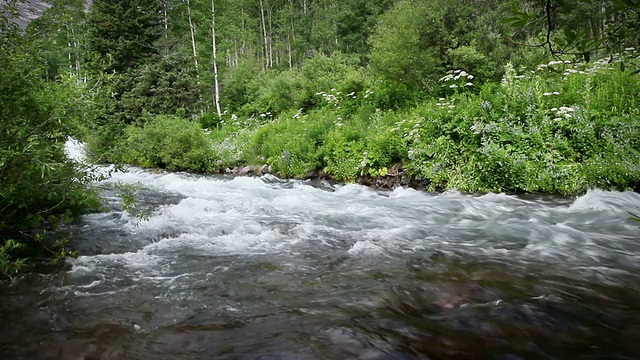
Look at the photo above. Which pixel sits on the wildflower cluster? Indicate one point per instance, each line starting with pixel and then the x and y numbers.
pixel 334 97
pixel 298 114
pixel 563 112
pixel 231 149
pixel 248 122
pixel 410 130
pixel 458 79
pixel 443 102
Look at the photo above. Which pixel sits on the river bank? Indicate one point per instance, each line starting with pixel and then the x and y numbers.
pixel 561 129
pixel 396 177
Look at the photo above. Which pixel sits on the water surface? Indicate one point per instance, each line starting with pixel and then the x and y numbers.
pixel 260 268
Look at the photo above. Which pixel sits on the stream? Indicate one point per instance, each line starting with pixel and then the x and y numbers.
pixel 263 268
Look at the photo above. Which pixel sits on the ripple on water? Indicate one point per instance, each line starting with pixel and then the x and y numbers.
pixel 252 267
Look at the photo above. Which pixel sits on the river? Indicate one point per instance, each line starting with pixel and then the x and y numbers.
pixel 262 268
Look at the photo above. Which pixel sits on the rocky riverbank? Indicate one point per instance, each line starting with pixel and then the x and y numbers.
pixel 395 177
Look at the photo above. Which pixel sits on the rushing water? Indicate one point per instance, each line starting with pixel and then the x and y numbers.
pixel 260 268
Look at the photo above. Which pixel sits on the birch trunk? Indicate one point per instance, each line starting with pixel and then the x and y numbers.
pixel 215 59
pixel 166 26
pixel 194 46
pixel 270 10
pixel 265 39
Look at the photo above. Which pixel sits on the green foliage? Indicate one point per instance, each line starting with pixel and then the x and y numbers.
pixel 123 34
pixel 40 187
pixel 124 38
pixel 363 144
pixel 276 91
pixel 167 86
pixel 417 42
pixel 407 44
pixel 292 144
pixel 240 84
pixel 169 142
pixel 561 130
pixel 588 29
pixel 231 147
pixel 9 264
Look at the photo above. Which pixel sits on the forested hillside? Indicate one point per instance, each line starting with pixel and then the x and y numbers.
pixel 503 96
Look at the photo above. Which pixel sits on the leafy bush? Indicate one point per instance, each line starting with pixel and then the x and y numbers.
pixel 232 140
pixel 292 144
pixel 561 130
pixel 276 91
pixel 40 187
pixel 363 144
pixel 169 142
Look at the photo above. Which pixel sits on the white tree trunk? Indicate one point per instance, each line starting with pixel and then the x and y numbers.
pixel 290 53
pixel 264 36
pixel 166 26
pixel 270 39
pixel 76 47
pixel 215 58
pixel 194 46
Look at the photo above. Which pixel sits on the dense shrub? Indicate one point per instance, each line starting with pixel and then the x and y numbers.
pixel 363 144
pixel 561 130
pixel 40 187
pixel 169 142
pixel 276 91
pixel 292 144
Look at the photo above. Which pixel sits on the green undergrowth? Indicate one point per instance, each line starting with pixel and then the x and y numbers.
pixel 561 128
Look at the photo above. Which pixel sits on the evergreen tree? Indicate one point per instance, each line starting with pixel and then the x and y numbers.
pixel 131 47
pixel 123 34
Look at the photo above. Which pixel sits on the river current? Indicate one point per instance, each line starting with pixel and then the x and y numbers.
pixel 263 268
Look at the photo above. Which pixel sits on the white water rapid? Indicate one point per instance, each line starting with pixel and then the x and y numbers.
pixel 263 268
